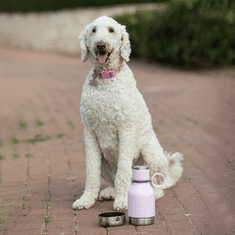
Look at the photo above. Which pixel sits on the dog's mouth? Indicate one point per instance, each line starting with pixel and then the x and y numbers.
pixel 103 56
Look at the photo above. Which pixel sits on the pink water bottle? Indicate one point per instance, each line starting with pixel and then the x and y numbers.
pixel 141 197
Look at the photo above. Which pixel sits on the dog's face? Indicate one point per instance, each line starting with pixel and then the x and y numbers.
pixel 104 38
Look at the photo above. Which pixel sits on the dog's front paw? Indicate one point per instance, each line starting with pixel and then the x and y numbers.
pixel 107 194
pixel 83 203
pixel 120 204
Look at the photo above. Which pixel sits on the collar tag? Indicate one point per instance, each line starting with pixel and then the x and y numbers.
pixel 93 83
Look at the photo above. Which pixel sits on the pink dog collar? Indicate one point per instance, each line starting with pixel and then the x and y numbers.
pixel 110 73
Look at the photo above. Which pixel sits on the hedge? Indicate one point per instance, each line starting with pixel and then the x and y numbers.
pixel 182 35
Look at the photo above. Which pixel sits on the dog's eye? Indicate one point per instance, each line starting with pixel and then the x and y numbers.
pixel 94 30
pixel 111 30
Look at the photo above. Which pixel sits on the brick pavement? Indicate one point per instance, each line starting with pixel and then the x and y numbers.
pixel 42 156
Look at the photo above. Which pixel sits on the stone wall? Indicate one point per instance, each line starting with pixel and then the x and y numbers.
pixel 56 31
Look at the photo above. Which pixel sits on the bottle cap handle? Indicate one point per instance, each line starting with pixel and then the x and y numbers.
pixel 156 184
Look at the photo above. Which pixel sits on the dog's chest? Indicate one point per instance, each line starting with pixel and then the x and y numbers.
pixel 99 110
pixel 97 107
pixel 103 107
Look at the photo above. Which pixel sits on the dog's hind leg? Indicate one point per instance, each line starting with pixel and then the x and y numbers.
pixel 155 158
pixel 165 163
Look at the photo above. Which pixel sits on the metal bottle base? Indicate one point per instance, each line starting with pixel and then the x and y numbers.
pixel 141 221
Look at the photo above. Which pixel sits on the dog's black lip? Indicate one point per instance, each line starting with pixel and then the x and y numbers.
pixel 108 56
pixel 103 52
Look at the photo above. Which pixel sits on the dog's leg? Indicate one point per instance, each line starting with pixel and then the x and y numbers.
pixel 155 158
pixel 107 193
pixel 109 175
pixel 127 145
pixel 93 165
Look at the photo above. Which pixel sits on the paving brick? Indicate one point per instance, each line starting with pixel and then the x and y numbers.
pixel 26 232
pixel 192 112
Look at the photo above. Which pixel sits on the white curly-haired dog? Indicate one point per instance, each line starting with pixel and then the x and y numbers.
pixel 117 124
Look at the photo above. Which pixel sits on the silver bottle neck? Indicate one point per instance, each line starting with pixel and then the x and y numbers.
pixel 140 168
pixel 140 181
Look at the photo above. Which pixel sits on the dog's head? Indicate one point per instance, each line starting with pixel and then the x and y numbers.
pixel 103 39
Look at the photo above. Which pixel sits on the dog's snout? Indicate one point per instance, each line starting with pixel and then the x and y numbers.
pixel 101 46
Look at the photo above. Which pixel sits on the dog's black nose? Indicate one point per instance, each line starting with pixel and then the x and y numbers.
pixel 101 46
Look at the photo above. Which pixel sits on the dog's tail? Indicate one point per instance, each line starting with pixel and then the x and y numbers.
pixel 175 169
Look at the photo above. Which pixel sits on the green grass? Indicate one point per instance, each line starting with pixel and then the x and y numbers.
pixel 74 212
pixel 37 138
pixel 48 204
pixel 2 223
pixel 60 135
pixel 28 155
pixel 22 124
pixel 24 205
pixel 16 155
pixel 39 123
pixel 4 214
pixel 25 202
pixel 186 180
pixel 50 193
pixel 70 123
pixel 46 219
pixel 74 196
pixel 49 5
pixel 2 157
pixel 14 140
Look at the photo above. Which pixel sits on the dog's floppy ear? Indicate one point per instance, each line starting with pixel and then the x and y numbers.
pixel 125 44
pixel 83 39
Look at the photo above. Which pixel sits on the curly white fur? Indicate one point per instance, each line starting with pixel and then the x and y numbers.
pixel 117 124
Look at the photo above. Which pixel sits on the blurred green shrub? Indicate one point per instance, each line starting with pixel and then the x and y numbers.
pixel 55 5
pixel 191 35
